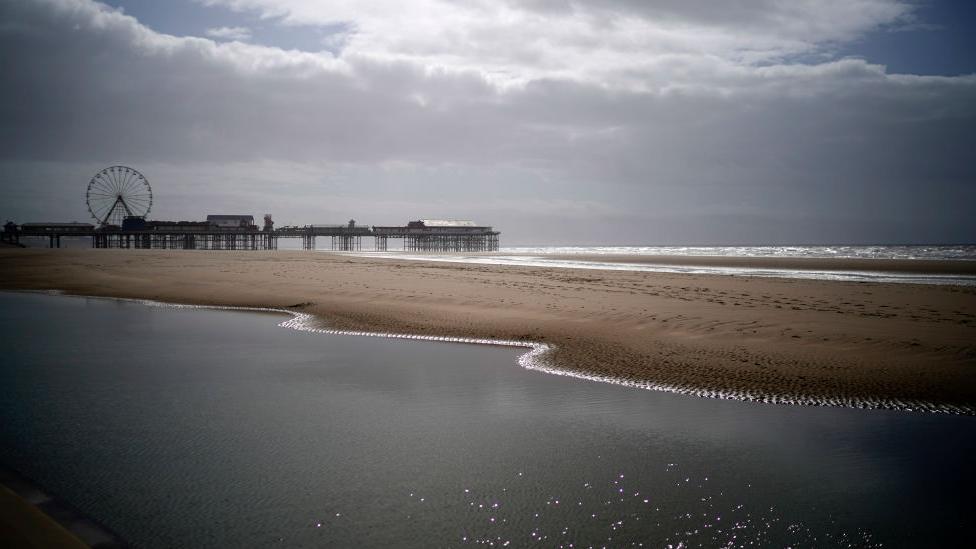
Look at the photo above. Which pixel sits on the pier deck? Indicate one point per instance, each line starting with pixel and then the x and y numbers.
pixel 344 238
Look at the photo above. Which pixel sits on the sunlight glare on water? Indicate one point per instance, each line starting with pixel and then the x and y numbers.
pixel 561 257
pixel 212 428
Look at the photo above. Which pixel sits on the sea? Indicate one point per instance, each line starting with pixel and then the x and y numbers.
pixel 194 427
pixel 818 251
pixel 588 258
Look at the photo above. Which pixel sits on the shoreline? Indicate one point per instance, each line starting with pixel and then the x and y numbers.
pixel 960 272
pixel 31 517
pixel 536 359
pixel 907 266
pixel 640 339
pixel 965 267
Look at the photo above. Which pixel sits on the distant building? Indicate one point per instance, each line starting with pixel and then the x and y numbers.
pixel 454 223
pixel 446 226
pixel 231 221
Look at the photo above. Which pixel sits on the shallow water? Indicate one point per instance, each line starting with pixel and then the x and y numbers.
pixel 927 251
pixel 562 257
pixel 200 428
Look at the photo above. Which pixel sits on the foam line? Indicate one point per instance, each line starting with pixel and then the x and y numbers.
pixel 803 274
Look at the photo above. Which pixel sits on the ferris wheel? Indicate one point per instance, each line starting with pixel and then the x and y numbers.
pixel 117 192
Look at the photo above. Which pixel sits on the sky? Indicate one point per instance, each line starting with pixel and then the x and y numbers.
pixel 556 121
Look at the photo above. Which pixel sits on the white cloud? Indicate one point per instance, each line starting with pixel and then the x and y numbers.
pixel 609 42
pixel 240 34
pixel 586 125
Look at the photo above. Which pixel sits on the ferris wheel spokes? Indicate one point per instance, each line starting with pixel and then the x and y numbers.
pixel 117 192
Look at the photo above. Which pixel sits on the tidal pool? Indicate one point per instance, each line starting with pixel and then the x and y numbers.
pixel 206 428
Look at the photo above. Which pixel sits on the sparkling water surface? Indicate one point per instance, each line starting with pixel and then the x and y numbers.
pixel 202 428
pixel 960 251
pixel 589 258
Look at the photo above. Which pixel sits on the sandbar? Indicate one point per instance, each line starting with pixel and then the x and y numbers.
pixel 837 341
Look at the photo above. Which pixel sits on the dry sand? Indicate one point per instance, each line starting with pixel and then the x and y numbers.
pixel 821 339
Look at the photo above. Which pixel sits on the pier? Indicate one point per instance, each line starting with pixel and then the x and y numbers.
pixel 417 236
pixel 119 199
pixel 429 235
pixel 222 240
pixel 344 238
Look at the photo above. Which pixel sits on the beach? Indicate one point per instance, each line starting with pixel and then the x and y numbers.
pixel 827 341
pixel 942 267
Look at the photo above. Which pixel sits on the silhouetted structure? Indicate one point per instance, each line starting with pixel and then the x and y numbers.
pixel 238 232
pixel 440 235
pixel 10 234
pixel 118 192
pixel 231 221
pixel 346 238
pixel 53 231
pixel 119 198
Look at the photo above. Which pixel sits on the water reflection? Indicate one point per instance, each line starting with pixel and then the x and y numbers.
pixel 209 428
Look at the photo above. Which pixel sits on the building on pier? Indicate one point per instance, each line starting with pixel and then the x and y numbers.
pixel 180 226
pixel 231 221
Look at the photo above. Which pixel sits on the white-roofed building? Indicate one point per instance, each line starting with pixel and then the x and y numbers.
pixel 447 223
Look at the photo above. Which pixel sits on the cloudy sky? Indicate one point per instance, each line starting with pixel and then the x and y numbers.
pixel 557 121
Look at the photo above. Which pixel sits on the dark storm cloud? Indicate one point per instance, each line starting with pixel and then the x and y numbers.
pixel 674 146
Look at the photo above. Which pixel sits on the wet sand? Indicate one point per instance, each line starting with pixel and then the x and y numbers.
pixel 769 336
pixel 31 518
pixel 914 266
pixel 24 525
